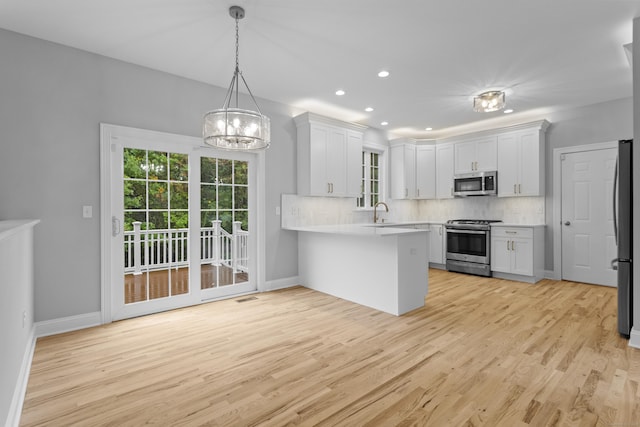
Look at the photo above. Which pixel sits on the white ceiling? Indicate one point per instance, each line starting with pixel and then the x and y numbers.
pixel 547 54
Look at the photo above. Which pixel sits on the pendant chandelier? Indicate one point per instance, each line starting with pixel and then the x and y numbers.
pixel 234 128
pixel 489 101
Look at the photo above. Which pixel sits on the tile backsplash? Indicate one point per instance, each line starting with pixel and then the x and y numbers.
pixel 300 211
pixel 518 210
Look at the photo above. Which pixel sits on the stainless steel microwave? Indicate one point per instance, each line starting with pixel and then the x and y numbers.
pixel 475 184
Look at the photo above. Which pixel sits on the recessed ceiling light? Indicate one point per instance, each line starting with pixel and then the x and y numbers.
pixel 340 92
pixel 368 109
pixel 428 128
pixel 508 111
pixel 384 123
pixel 383 73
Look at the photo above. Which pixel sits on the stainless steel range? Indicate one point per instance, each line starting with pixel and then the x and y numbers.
pixel 469 246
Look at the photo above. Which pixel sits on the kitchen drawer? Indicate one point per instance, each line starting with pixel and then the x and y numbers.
pixel 512 232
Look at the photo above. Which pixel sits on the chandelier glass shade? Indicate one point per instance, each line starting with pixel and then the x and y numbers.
pixel 234 128
pixel 489 101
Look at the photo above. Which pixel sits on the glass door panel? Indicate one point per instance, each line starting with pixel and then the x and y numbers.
pixel 156 224
pixel 224 215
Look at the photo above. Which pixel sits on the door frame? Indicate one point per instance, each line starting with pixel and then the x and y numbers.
pixel 557 196
pixel 106 131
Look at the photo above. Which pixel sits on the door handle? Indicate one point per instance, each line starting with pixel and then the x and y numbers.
pixel 115 226
pixel 614 264
pixel 567 223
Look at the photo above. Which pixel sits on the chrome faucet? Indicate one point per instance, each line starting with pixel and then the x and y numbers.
pixel 375 211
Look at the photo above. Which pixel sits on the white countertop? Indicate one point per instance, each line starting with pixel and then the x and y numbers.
pixel 364 230
pixel 9 227
pixel 513 224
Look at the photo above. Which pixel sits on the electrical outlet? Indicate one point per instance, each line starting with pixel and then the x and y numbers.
pixel 87 212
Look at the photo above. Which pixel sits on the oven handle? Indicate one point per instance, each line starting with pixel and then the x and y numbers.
pixel 456 230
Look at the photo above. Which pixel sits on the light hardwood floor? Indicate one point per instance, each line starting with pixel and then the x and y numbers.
pixel 482 351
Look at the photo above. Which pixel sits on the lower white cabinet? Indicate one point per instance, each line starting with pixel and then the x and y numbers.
pixel 437 242
pixel 517 252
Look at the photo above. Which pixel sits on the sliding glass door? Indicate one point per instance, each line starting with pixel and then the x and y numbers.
pixel 182 226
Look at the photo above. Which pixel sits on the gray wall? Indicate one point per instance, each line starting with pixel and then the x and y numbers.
pixel 52 100
pixel 607 121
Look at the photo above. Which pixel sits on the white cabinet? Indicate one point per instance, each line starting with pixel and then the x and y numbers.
pixel 413 171
pixel 425 172
pixel 517 251
pixel 444 171
pixel 521 162
pixel 403 171
pixel 478 155
pixel 329 157
pixel 437 241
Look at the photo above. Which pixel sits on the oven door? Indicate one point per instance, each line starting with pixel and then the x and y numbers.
pixel 468 245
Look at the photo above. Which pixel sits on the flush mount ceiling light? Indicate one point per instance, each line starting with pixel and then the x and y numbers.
pixel 233 128
pixel 489 101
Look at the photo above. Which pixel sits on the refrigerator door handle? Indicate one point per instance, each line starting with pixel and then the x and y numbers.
pixel 614 264
pixel 615 193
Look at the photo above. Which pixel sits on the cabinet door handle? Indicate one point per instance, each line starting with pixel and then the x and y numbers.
pixel 514 189
pixel 406 192
pixel 417 192
pixel 519 189
pixel 332 188
pixel 328 187
pixel 508 246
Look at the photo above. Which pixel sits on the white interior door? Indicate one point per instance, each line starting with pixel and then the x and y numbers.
pixel 588 242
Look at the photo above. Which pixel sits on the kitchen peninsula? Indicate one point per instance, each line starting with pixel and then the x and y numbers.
pixel 385 268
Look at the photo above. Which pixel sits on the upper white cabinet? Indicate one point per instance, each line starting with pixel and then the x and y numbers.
pixel 521 161
pixel 413 173
pixel 329 156
pixel 444 171
pixel 403 171
pixel 425 172
pixel 477 155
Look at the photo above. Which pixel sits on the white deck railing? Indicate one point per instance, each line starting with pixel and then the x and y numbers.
pixel 160 249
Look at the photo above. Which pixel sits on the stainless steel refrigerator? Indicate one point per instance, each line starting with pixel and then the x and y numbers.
pixel 623 228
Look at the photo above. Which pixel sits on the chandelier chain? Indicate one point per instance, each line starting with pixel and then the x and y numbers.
pixel 237 45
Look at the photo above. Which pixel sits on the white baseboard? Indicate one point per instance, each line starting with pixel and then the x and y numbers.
pixel 287 282
pixel 634 338
pixel 67 324
pixel 15 409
